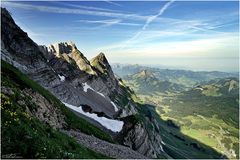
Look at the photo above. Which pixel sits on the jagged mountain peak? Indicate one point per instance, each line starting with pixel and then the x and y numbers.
pixel 26 52
pixel 145 72
pixel 62 47
pixel 66 44
pixel 101 58
pixel 69 52
pixel 101 55
pixel 101 63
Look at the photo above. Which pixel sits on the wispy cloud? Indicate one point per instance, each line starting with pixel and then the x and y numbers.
pixel 88 7
pixel 174 29
pixel 109 22
pixel 113 3
pixel 75 11
pixel 148 21
pixel 161 11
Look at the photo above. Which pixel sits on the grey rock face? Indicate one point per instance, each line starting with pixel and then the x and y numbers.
pixel 45 111
pixel 63 47
pixel 129 110
pixel 100 62
pixel 137 139
pixel 17 42
pixel 41 108
pixel 69 52
pixel 145 141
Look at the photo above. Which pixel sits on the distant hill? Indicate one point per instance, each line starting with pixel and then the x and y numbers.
pixel 184 77
pixel 218 87
pixel 145 82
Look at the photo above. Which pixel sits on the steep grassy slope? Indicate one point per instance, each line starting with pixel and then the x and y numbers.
pixel 24 135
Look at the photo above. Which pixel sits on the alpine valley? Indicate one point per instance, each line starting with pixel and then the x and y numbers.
pixel 55 103
pixel 202 105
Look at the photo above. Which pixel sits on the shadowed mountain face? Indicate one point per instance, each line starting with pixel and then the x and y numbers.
pixel 37 79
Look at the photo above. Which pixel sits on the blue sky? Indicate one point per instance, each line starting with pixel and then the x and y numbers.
pixel 184 34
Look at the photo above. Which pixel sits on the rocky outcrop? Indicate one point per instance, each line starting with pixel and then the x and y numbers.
pixel 129 110
pixel 69 52
pixel 137 136
pixel 17 47
pixel 38 106
pixel 45 111
pixel 100 62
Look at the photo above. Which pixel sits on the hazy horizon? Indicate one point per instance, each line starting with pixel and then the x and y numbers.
pixel 199 36
pixel 161 66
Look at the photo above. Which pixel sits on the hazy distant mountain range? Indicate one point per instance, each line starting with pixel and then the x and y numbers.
pixel 184 77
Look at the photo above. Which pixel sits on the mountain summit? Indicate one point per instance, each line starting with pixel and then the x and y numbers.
pixel 62 47
pixel 144 74
pixel 101 63
pixel 147 82
pixel 69 52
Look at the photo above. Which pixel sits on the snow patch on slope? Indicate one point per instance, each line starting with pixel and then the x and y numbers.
pixel 86 87
pixel 115 107
pixel 62 78
pixel 113 125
